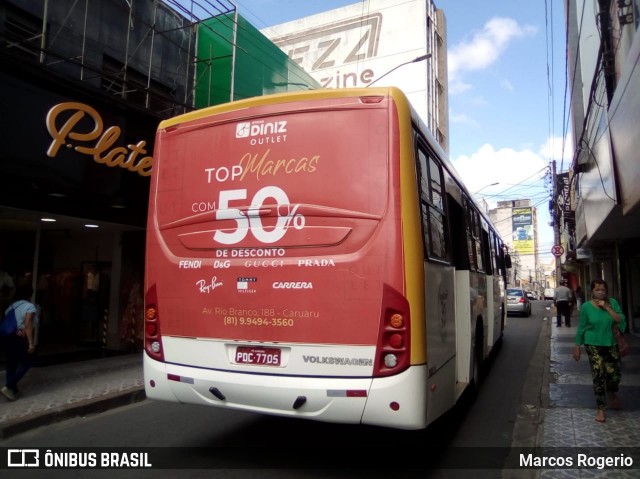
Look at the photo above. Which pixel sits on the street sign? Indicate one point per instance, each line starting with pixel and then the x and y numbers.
pixel 557 250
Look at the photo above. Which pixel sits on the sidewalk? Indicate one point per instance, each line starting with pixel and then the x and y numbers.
pixel 569 419
pixel 54 393
pixel 568 414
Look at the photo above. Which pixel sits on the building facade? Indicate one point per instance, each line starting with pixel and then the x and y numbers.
pixel 372 42
pixel 83 87
pixel 517 223
pixel 601 228
pixel 236 61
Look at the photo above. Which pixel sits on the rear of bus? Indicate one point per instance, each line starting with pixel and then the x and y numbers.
pixel 276 274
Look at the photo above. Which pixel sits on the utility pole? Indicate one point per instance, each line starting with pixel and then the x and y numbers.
pixel 555 216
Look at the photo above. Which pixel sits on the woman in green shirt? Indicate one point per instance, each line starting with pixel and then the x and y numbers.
pixel 594 331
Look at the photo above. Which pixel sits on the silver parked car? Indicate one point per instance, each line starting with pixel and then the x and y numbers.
pixel 517 302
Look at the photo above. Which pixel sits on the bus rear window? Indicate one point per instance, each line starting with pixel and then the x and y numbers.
pixel 336 160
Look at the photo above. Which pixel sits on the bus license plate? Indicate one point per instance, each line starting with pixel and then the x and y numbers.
pixel 258 355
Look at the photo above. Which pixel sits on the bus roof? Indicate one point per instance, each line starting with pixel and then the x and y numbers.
pixel 276 98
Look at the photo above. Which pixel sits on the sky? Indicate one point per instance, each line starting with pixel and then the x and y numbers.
pixel 507 118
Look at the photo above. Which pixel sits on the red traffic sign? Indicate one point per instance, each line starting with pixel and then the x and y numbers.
pixel 557 250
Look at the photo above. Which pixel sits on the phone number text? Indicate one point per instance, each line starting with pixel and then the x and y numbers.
pixel 251 321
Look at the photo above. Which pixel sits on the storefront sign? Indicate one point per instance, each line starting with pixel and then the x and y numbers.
pixel 341 45
pixel 564 193
pixel 100 142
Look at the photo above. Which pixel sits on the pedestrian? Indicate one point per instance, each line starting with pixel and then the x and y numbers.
pixel 562 300
pixel 595 332
pixel 20 346
pixel 579 294
pixel 7 288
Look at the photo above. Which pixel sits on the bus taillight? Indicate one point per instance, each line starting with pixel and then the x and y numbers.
pixel 392 354
pixel 152 338
pixel 396 320
pixel 396 340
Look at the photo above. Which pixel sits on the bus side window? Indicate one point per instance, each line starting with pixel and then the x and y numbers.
pixel 434 220
pixel 477 238
pixel 495 256
pixel 497 248
pixel 505 261
pixel 459 244
pixel 486 251
pixel 474 238
pixel 468 210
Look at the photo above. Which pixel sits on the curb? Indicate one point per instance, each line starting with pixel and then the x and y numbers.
pixel 90 406
pixel 529 425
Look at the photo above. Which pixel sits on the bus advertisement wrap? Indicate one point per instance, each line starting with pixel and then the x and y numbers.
pixel 299 263
pixel 268 226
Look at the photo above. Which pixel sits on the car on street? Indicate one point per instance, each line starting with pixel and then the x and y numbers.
pixel 530 295
pixel 517 302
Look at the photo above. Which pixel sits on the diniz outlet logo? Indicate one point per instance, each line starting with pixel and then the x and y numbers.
pixel 91 139
pixel 262 132
pixel 333 48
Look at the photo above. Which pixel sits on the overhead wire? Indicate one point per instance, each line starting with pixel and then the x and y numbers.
pixel 509 218
pixel 524 180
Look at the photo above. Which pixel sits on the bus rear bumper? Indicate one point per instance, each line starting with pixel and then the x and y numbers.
pixel 398 401
pixel 323 399
pixel 343 400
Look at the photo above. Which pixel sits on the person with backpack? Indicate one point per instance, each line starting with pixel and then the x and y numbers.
pixel 20 346
pixel 7 287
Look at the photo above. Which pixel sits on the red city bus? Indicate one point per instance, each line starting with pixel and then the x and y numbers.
pixel 314 255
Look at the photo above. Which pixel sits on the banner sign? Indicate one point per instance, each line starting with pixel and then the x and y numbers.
pixel 522 222
pixel 564 194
